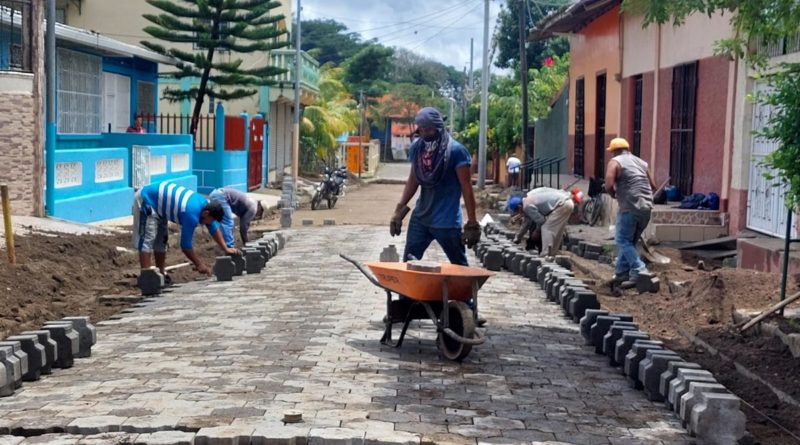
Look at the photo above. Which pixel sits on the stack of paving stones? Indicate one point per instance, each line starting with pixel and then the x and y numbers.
pixel 706 408
pixel 646 282
pixel 28 356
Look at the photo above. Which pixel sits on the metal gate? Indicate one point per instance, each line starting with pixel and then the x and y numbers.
pixel 766 211
pixel 580 127
pixel 637 115
pixel 255 157
pixel 600 129
pixel 681 145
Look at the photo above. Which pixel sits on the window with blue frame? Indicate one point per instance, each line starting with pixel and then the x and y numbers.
pixel 16 35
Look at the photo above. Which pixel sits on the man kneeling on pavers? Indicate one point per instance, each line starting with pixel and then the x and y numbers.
pixel 155 205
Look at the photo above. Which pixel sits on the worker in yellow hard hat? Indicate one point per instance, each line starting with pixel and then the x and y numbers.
pixel 628 180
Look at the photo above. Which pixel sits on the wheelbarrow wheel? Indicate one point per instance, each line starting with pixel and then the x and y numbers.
pixel 462 322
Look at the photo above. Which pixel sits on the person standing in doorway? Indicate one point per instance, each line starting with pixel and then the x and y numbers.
pixel 137 126
pixel 629 181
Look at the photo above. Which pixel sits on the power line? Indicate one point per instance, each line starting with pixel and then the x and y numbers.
pixel 446 27
pixel 422 22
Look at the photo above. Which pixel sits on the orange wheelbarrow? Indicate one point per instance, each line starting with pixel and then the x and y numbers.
pixel 428 289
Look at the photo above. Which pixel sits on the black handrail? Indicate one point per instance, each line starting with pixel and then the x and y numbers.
pixel 547 164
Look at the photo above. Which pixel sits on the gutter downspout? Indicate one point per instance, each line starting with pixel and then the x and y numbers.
pixel 620 77
pixel 656 80
pixel 50 125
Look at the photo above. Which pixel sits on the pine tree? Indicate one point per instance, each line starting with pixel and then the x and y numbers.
pixel 200 31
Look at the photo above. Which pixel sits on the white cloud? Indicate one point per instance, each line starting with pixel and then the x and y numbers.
pixel 439 29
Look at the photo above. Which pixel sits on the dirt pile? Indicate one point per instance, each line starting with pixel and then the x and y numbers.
pixel 61 275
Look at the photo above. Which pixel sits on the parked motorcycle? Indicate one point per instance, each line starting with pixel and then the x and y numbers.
pixel 330 188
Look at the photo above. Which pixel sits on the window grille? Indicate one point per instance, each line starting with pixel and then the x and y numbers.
pixel 80 92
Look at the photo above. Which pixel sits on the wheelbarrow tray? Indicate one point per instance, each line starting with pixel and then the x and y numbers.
pixel 428 286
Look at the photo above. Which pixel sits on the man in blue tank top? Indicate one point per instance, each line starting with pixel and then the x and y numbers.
pixel 440 166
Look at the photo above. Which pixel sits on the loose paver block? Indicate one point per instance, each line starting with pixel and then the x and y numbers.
pixel 335 436
pixel 668 375
pixel 328 222
pixel 533 268
pixel 50 347
pixel 9 365
pixel 717 419
pixel 87 334
pixel 589 318
pixel 166 438
pixel 95 425
pixel 286 217
pixel 599 329
pixel 36 355
pixel 650 370
pixel 68 344
pixel 225 435
pixel 680 384
pixel 625 343
pixel 582 301
pixel 150 281
pixel 647 282
pixel 615 333
pixel 494 259
pixel 21 356
pixel 308 222
pixel 224 268
pixel 690 399
pixel 239 265
pixel 253 260
pixel 638 353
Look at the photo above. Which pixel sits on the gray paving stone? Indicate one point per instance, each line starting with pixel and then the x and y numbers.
pixel 335 436
pixel 166 438
pixel 52 439
pixel 391 438
pixel 95 425
pixel 224 435
pixel 11 440
pixel 109 439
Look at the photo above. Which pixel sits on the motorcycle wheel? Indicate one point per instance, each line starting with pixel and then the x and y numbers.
pixel 332 202
pixel 316 200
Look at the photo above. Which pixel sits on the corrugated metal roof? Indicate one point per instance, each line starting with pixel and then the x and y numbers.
pixel 571 18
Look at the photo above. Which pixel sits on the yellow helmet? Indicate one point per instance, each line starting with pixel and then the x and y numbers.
pixel 618 144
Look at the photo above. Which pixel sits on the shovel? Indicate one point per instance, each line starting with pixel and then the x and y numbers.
pixel 651 255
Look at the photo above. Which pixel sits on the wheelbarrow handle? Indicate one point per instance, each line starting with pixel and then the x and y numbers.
pixel 367 273
pixel 478 340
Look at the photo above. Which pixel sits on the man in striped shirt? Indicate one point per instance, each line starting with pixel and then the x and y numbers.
pixel 157 204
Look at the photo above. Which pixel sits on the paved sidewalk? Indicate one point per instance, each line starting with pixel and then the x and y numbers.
pixel 225 360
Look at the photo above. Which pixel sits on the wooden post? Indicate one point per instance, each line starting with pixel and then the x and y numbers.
pixel 12 255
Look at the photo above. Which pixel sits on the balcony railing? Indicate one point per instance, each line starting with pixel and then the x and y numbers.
pixel 782 47
pixel 309 78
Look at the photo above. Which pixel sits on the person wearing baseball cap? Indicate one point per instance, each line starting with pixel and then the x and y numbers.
pixel 549 209
pixel 628 180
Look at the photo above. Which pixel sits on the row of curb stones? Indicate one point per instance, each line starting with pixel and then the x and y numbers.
pixel 31 354
pixel 706 408
pixel 255 256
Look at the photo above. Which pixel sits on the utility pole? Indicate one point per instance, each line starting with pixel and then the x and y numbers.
pixel 484 100
pixel 360 133
pixel 452 114
pixel 298 59
pixel 523 77
pixel 471 57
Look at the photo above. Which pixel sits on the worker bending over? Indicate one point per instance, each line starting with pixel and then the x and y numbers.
pixel 549 209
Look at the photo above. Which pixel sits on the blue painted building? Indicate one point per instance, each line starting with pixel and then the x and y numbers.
pixel 102 84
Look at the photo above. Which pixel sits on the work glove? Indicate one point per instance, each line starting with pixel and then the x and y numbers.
pixel 471 234
pixel 396 223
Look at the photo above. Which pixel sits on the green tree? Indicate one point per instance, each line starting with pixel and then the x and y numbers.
pixel 333 114
pixel 753 21
pixel 506 35
pixel 200 30
pixel 329 42
pixel 369 69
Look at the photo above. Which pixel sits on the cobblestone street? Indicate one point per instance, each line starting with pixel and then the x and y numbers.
pixel 221 362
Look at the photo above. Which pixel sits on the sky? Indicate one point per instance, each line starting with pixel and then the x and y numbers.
pixel 438 29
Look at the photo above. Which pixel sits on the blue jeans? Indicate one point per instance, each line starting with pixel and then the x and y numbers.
pixel 630 225
pixel 227 220
pixel 420 236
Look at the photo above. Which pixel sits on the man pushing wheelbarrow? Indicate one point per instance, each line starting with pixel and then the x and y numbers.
pixel 446 294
